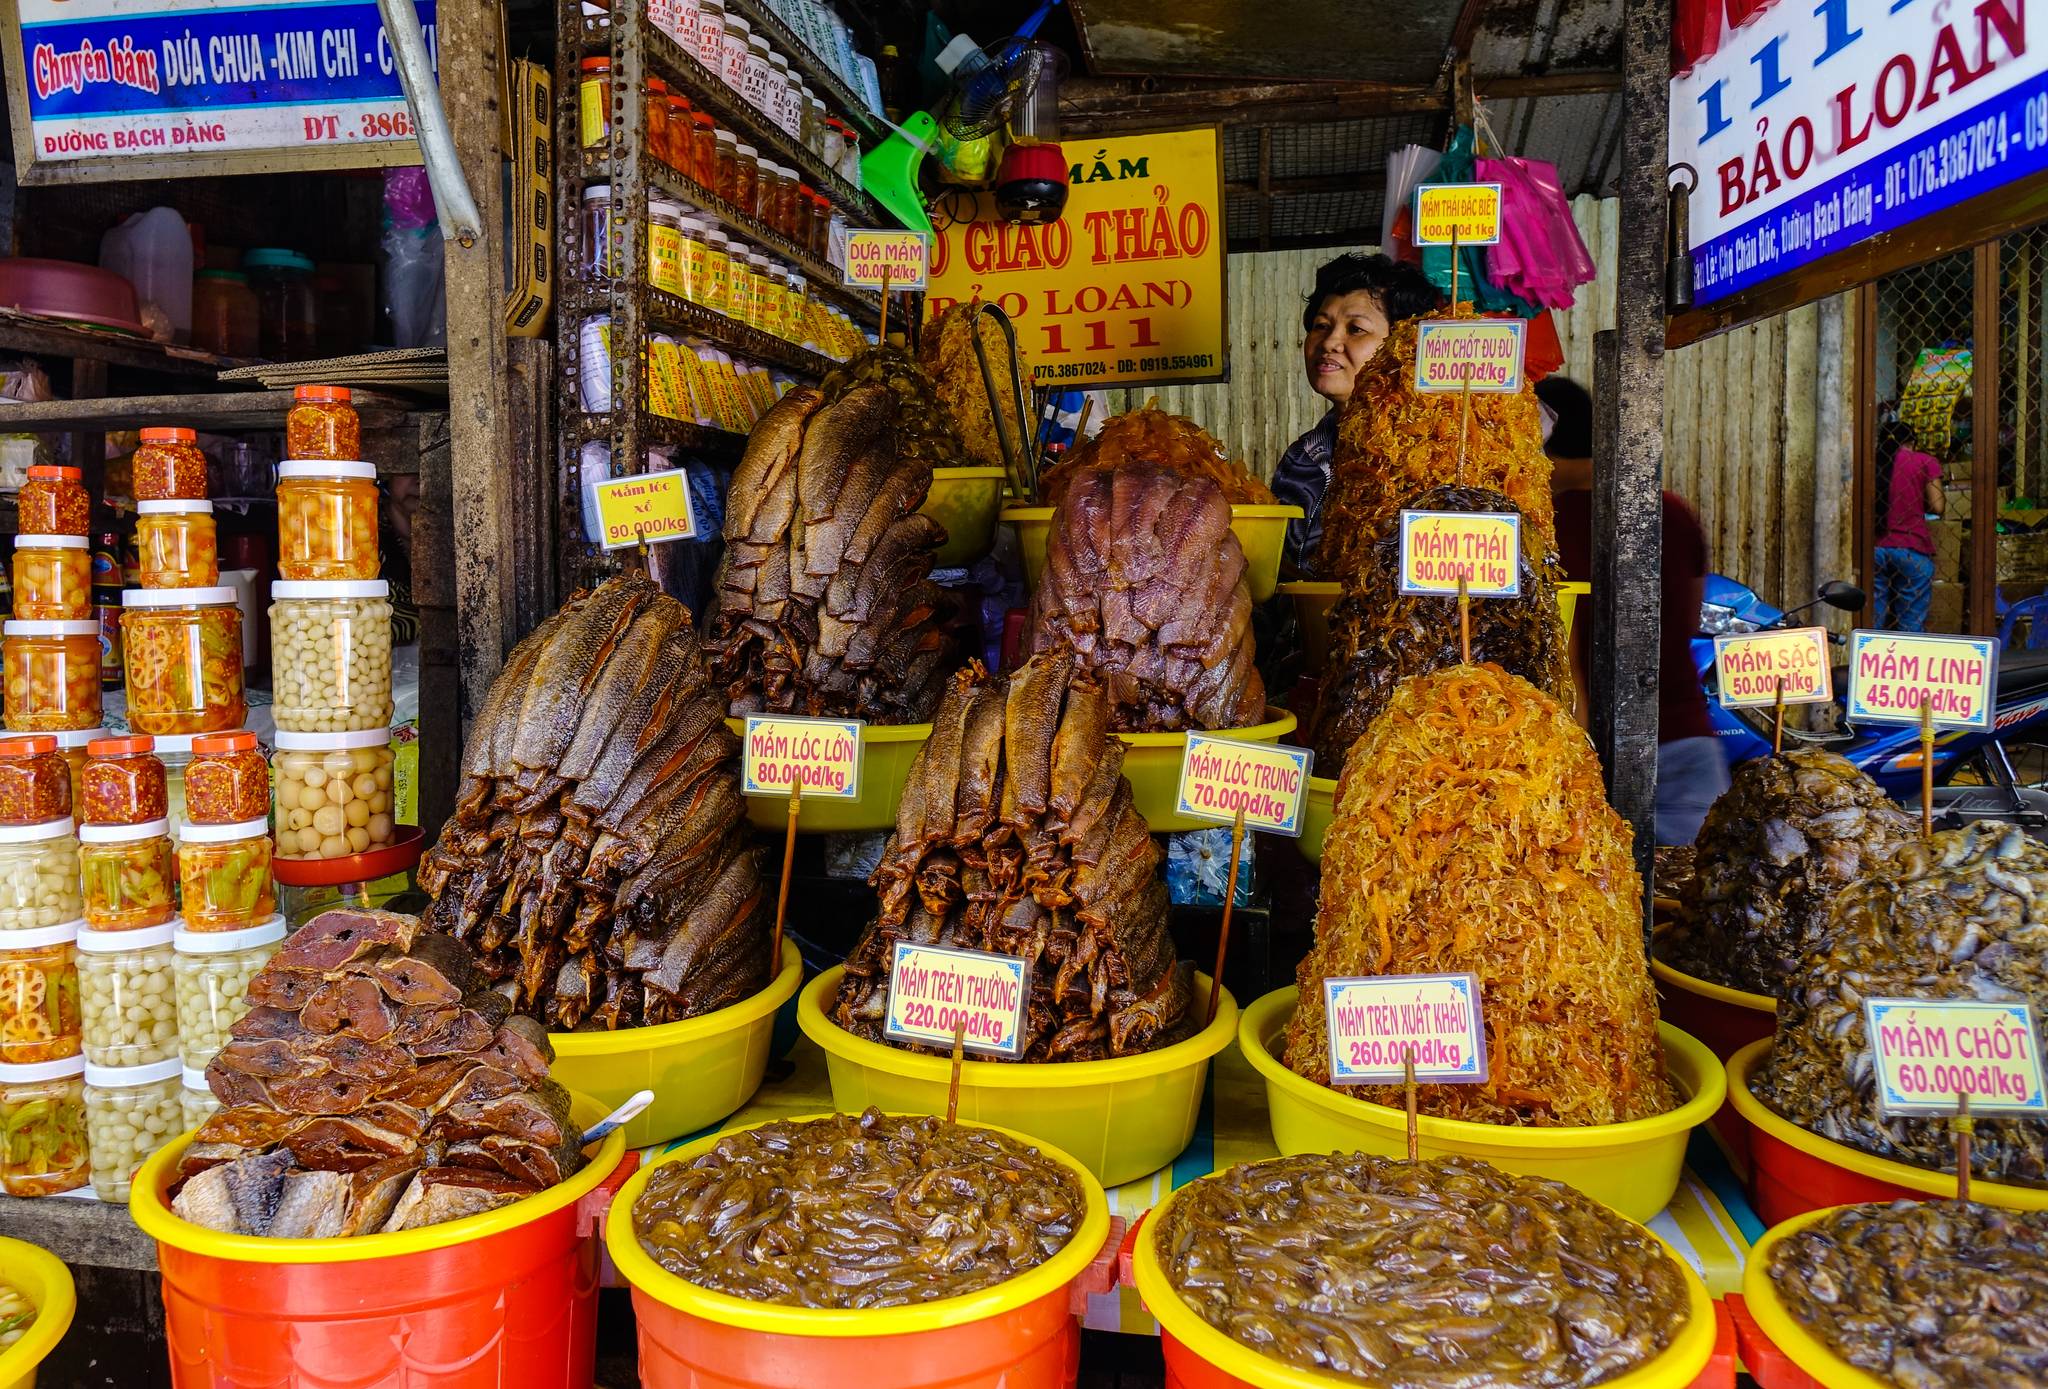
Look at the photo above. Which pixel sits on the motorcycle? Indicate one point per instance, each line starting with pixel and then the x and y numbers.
pixel 1988 789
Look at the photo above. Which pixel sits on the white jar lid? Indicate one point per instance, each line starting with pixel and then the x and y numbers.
pixel 179 744
pixel 222 834
pixel 190 942
pixel 118 942
pixel 221 595
pixel 178 506
pixel 127 1077
pixel 330 742
pixel 24 1071
pixel 49 542
pixel 36 937
pixel 339 467
pixel 32 834
pixel 123 834
pixel 283 589
pixel 194 1078
pixel 49 627
pixel 79 737
pixel 664 206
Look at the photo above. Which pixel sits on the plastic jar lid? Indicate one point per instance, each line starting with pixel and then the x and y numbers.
pixel 27 745
pixel 74 738
pixel 664 207
pixel 329 742
pixel 597 192
pixel 120 747
pixel 221 596
pixel 726 137
pixel 123 834
pixel 340 467
pixel 48 627
pixel 31 834
pixel 174 744
pixel 241 740
pixel 750 152
pixel 54 472
pixel 176 435
pixel 194 1078
pixel 284 589
pixel 128 1077
pixel 223 834
pixel 323 393
pixel 49 542
pixel 276 258
pixel 92 942
pixel 36 937
pixel 221 942
pixel 182 506
pixel 600 63
pixel 21 1073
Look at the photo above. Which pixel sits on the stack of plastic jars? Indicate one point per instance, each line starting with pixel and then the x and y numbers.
pixel 50 654
pixel 41 1017
pixel 124 837
pixel 181 632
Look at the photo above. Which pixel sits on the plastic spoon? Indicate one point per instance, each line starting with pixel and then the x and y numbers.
pixel 618 1118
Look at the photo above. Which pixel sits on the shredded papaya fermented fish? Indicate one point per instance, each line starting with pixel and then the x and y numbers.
pixel 1153 436
pixel 1472 834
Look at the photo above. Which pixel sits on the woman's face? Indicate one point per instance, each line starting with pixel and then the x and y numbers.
pixel 1348 329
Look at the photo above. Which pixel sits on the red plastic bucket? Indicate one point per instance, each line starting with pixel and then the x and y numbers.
pixel 1727 1020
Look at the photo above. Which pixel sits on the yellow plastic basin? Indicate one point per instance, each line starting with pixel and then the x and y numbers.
pixel 886 751
pixel 1633 1167
pixel 1152 766
pixel 1568 595
pixel 1313 599
pixel 965 501
pixel 1676 1367
pixel 1804 1349
pixel 1316 814
pixel 41 1277
pixel 700 1069
pixel 1260 530
pixel 1122 1118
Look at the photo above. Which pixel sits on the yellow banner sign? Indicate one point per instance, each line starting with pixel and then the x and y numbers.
pixel 1752 667
pixel 1378 1025
pixel 824 754
pixel 1894 675
pixel 1127 287
pixel 1482 547
pixel 645 509
pixel 1468 213
pixel 1469 354
pixel 901 255
pixel 936 991
pixel 1221 776
pixel 1932 1051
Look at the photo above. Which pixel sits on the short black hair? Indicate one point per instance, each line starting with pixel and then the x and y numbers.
pixel 1403 290
pixel 1572 435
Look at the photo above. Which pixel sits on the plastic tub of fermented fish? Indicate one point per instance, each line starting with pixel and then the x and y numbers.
pixel 1121 1117
pixel 33 1276
pixel 1313 599
pixel 700 1069
pixel 886 752
pixel 1633 1167
pixel 1317 810
pixel 965 501
pixel 1020 1333
pixel 1152 766
pixel 503 1300
pixel 1794 1170
pixel 1727 1020
pixel 1800 1346
pixel 1260 530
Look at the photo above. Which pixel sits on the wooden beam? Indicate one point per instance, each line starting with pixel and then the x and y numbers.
pixel 1989 287
pixel 1863 432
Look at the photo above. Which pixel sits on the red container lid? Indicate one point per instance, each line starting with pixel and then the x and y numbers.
pixel 225 742
pixel 52 472
pixel 598 64
pixel 168 436
pixel 119 747
pixel 32 745
pixel 322 393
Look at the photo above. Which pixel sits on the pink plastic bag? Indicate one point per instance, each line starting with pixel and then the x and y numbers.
pixel 1541 256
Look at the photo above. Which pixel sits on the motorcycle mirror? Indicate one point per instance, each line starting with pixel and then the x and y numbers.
pixel 1838 593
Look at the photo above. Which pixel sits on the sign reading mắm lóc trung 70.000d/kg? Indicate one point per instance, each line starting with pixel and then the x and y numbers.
pixel 106 81
pixel 1127 287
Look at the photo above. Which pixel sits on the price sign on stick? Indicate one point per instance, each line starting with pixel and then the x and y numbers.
pixel 645 509
pixel 1463 214
pixel 822 756
pixel 1757 669
pixel 1378 1025
pixel 1931 1052
pixel 1470 354
pixel 887 259
pixel 937 993
pixel 1483 548
pixel 1221 778
pixel 1894 676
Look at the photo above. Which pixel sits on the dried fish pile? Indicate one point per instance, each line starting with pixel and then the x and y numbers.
pixel 1675 871
pixel 824 604
pixel 1445 1273
pixel 599 859
pixel 1153 436
pixel 374 1085
pixel 1017 834
pixel 1472 833
pixel 1964 915
pixel 1146 583
pixel 845 1212
pixel 946 353
pixel 1925 1295
pixel 1378 637
pixel 1788 835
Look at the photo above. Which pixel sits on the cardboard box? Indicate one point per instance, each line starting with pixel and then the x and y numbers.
pixel 1950 541
pixel 1958 500
pixel 1946 613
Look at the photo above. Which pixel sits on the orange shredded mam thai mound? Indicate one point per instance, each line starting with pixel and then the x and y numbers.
pixel 1472 834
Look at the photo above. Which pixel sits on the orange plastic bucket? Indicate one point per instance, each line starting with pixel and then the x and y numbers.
pixel 1727 1020
pixel 506 1300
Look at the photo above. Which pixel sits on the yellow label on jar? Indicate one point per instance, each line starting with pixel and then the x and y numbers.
pixel 717 292
pixel 595 96
pixel 665 258
pixel 746 295
pixel 726 382
pixel 664 384
pixel 692 269
pixel 691 371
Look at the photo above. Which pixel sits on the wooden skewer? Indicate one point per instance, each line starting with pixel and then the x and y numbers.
pixel 882 327
pixel 1408 1085
pixel 1926 767
pixel 1965 1126
pixel 1464 620
pixel 959 1055
pixel 1778 719
pixel 1229 902
pixel 796 792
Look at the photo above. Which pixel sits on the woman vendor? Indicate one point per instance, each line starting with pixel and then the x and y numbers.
pixel 1356 301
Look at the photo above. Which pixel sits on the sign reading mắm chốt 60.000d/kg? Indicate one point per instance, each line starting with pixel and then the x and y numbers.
pixel 1931 1051
pixel 113 81
pixel 1127 287
pixel 1893 675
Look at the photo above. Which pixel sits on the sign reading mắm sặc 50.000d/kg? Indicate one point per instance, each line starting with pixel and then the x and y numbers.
pixel 1757 669
pixel 127 87
pixel 1127 287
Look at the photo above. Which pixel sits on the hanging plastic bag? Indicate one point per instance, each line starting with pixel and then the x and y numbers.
pixel 1475 286
pixel 409 263
pixel 1540 256
pixel 1407 169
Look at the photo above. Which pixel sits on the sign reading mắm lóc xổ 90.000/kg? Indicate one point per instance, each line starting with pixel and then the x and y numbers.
pixel 127 88
pixel 1127 287
pixel 645 509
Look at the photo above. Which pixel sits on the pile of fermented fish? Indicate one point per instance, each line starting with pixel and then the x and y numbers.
pixel 1146 583
pixel 1924 1294
pixel 1378 637
pixel 921 427
pixel 1152 435
pixel 858 1212
pixel 1788 835
pixel 375 1084
pixel 945 352
pixel 599 859
pixel 1447 1273
pixel 1017 834
pixel 1964 915
pixel 824 604
pixel 1472 834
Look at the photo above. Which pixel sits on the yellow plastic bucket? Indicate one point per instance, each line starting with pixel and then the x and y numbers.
pixel 1122 1118
pixel 886 751
pixel 965 501
pixel 1152 766
pixel 1633 1167
pixel 700 1069
pixel 1261 531
pixel 1198 1356
pixel 41 1277
pixel 1802 1347
pixel 1568 595
pixel 1316 813
pixel 1313 599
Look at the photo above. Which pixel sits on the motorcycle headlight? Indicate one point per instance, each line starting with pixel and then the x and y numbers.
pixel 1719 620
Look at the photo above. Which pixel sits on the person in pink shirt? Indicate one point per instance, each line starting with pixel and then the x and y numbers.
pixel 1910 483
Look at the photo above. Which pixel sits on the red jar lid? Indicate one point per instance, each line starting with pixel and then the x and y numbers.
pixel 33 745
pixel 168 436
pixel 322 393
pixel 597 65
pixel 52 472
pixel 225 742
pixel 119 747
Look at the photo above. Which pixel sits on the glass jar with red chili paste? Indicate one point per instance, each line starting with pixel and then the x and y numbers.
pixel 53 502
pixel 227 781
pixel 35 785
pixel 124 783
pixel 322 425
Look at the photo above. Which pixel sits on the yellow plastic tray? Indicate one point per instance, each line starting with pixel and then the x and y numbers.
pixel 700 1069
pixel 886 751
pixel 1806 1350
pixel 1568 595
pixel 778 1319
pixel 965 501
pixel 1313 599
pixel 1122 1117
pixel 149 1203
pixel 1260 530
pixel 1152 766
pixel 41 1277
pixel 1633 1167
pixel 1676 1367
pixel 1316 813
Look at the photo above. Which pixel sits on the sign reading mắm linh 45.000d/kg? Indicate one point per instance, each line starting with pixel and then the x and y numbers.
pixel 1893 675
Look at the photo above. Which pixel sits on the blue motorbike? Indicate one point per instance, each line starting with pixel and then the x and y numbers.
pixel 1973 773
